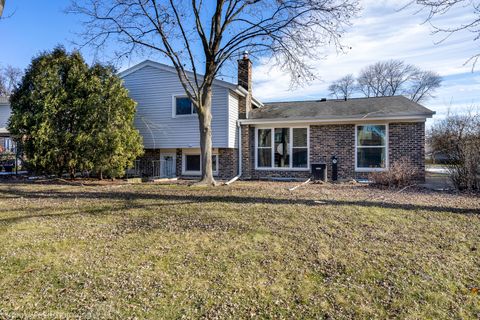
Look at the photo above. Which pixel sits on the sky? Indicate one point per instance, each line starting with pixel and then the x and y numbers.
pixel 380 32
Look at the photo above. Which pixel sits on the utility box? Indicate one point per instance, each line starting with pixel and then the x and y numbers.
pixel 319 171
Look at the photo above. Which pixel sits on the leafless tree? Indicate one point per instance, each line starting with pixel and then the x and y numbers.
pixel 9 78
pixel 2 5
pixel 202 36
pixel 394 77
pixel 458 138
pixel 343 88
pixel 422 85
pixel 471 23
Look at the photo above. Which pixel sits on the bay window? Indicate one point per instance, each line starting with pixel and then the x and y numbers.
pixel 371 147
pixel 282 148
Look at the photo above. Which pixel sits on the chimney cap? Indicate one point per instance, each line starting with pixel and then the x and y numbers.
pixel 245 55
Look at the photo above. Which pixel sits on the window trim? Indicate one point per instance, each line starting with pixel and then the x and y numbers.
pixel 196 153
pixel 174 107
pixel 290 168
pixel 386 147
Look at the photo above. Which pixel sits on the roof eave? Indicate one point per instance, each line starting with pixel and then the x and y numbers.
pixel 418 117
pixel 244 93
pixel 170 69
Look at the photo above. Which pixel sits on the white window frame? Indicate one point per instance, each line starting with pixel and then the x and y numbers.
pixel 360 169
pixel 196 153
pixel 290 167
pixel 174 107
pixel 8 144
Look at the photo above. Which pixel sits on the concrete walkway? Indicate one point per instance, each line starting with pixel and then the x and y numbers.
pixel 437 179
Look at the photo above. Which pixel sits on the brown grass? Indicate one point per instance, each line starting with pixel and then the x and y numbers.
pixel 250 250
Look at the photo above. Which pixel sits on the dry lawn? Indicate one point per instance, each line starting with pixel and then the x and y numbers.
pixel 250 250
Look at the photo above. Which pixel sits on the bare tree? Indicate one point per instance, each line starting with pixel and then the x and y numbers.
pixel 202 36
pixel 2 5
pixel 458 138
pixel 395 77
pixel 9 79
pixel 422 85
pixel 343 88
pixel 437 8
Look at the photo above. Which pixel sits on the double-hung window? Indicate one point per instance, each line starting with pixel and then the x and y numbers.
pixel 183 106
pixel 282 148
pixel 371 147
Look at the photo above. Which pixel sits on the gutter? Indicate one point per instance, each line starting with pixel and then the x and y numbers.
pixel 239 155
pixel 413 118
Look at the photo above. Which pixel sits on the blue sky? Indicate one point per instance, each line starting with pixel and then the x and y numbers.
pixel 380 32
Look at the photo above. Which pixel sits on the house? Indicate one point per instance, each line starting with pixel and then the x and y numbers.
pixel 6 143
pixel 275 139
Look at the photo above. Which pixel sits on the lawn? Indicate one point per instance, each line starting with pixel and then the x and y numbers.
pixel 249 250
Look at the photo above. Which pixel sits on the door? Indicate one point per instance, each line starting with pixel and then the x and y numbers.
pixel 167 166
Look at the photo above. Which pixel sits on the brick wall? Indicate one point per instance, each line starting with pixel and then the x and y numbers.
pixel 178 160
pixel 227 163
pixel 245 80
pixel 334 140
pixel 405 139
pixel 248 145
pixel 408 140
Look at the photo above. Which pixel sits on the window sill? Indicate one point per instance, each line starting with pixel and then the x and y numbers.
pixel 196 173
pixel 282 169
pixel 370 169
pixel 184 116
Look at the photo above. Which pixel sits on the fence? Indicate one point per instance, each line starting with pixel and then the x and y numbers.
pixel 164 168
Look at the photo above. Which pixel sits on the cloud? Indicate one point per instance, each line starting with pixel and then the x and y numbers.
pixel 383 32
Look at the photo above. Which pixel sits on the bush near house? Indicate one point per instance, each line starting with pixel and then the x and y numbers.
pixel 70 117
pixel 401 173
pixel 458 138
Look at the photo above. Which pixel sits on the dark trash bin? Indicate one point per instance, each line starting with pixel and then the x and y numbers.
pixel 319 171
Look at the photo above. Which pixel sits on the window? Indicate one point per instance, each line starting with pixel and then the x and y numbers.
pixel 300 148
pixel 192 164
pixel 183 106
pixel 371 147
pixel 282 148
pixel 264 147
pixel 7 144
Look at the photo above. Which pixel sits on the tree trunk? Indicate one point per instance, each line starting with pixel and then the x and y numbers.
pixel 205 120
pixel 2 4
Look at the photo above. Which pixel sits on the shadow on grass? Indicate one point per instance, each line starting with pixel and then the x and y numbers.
pixel 129 197
pixel 166 220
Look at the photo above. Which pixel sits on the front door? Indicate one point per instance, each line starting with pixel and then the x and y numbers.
pixel 167 165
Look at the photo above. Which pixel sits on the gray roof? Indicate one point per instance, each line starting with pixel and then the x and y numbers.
pixel 355 108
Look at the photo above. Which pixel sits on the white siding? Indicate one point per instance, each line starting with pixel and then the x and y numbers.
pixel 4 115
pixel 232 120
pixel 153 90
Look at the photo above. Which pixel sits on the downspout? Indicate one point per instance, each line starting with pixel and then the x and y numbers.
pixel 239 155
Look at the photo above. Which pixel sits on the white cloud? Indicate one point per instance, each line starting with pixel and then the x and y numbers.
pixel 380 33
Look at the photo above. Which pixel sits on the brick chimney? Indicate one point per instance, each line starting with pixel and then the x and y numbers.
pixel 245 80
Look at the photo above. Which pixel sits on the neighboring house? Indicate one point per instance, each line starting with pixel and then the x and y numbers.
pixel 276 139
pixel 6 142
